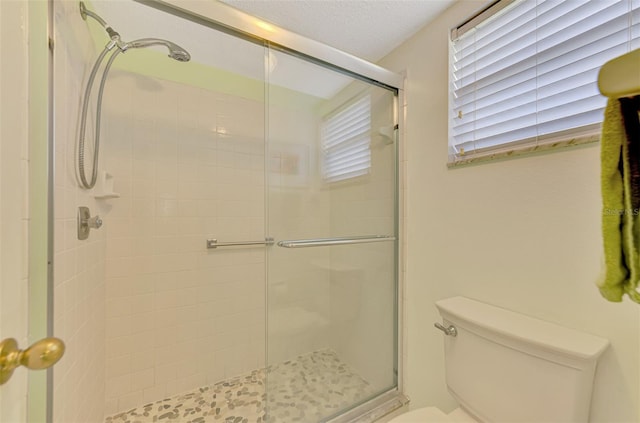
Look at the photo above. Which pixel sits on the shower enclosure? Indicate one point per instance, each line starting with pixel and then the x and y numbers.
pixel 247 267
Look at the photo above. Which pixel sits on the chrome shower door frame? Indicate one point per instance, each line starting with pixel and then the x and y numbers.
pixel 222 17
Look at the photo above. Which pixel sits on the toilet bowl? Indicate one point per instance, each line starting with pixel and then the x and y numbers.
pixel 503 366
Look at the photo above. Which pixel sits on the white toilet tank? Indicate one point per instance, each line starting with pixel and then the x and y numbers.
pixel 505 367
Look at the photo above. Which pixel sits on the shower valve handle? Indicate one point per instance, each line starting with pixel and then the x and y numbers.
pixel 86 222
pixel 94 222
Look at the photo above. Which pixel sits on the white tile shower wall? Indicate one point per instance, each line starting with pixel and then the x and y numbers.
pixel 189 165
pixel 79 293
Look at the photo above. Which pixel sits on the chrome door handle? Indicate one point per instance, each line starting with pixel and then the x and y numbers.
pixel 450 331
pixel 41 355
pixel 213 243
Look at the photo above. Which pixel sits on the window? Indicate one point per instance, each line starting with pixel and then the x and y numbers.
pixel 346 141
pixel 524 73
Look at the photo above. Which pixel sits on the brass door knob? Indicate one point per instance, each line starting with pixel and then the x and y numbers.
pixel 41 355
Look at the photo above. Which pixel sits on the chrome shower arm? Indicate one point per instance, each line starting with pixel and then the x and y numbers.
pixel 84 12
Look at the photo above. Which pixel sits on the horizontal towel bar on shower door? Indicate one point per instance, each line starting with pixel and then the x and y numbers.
pixel 321 242
pixel 214 243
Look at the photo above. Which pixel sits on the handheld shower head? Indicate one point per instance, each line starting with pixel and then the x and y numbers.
pixel 180 55
pixel 175 51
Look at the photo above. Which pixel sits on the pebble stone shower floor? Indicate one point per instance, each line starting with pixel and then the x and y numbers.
pixel 305 389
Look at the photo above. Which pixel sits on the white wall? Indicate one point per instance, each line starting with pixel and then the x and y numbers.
pixel 523 234
pixel 14 211
pixel 79 291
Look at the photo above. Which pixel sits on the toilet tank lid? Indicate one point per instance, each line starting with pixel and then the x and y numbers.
pixel 527 329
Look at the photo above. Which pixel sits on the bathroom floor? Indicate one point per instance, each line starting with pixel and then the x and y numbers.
pixel 305 389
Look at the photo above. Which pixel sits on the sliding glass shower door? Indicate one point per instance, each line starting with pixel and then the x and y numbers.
pixel 331 205
pixel 250 229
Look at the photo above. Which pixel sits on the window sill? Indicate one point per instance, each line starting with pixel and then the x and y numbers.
pixel 522 151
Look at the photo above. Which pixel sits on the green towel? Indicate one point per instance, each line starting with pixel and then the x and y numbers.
pixel 620 226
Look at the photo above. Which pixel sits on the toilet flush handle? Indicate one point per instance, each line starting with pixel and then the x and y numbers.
pixel 450 331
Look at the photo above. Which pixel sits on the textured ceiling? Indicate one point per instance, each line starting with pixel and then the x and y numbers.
pixel 369 29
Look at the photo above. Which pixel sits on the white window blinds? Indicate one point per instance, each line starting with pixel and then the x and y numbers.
pixel 527 75
pixel 346 141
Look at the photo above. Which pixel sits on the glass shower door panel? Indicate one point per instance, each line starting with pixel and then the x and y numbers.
pixel 185 145
pixel 331 201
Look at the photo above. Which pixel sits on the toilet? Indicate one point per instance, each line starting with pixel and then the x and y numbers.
pixel 505 367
